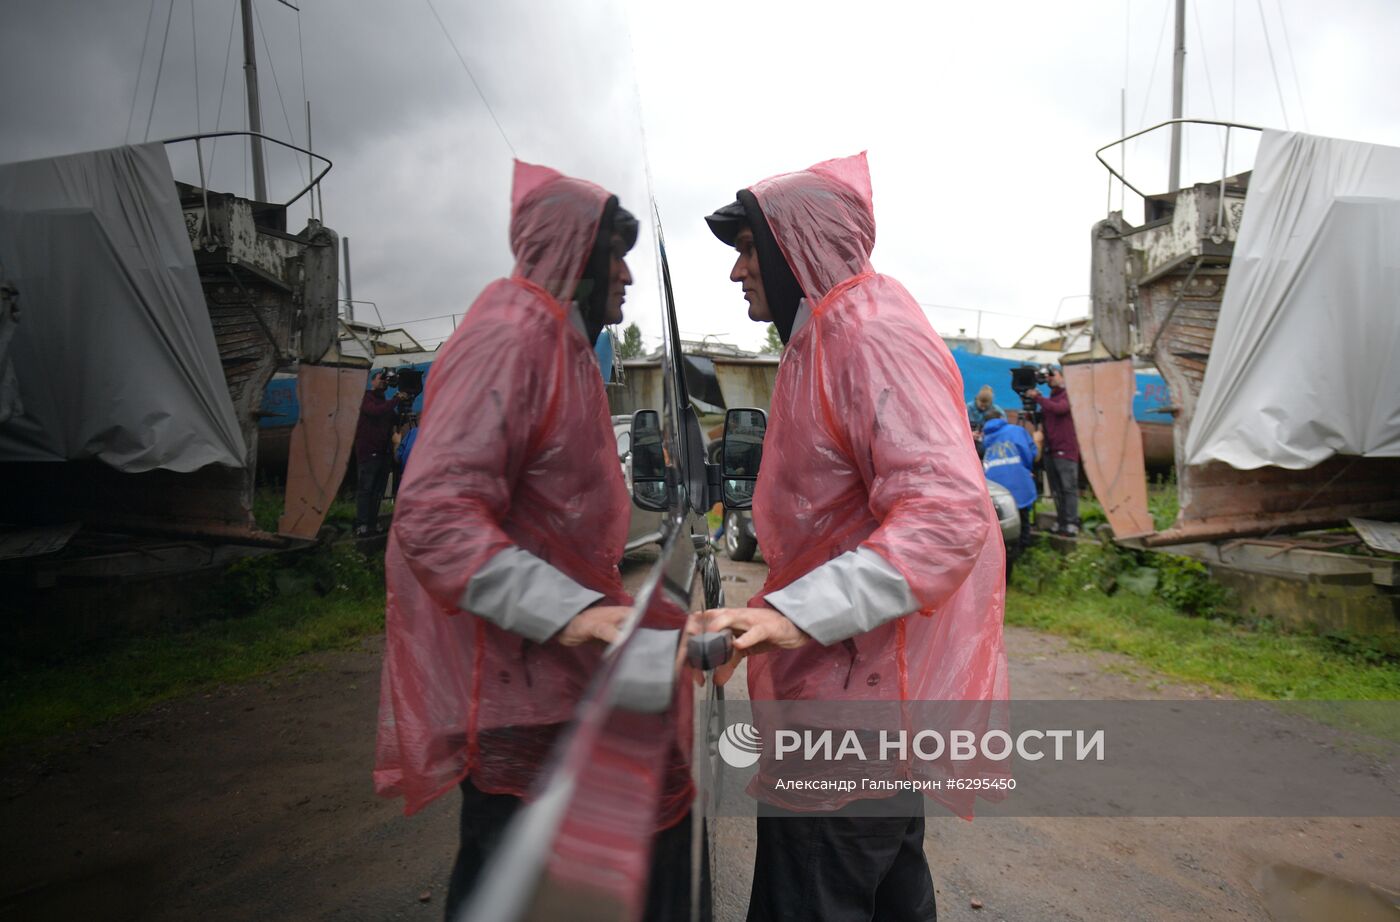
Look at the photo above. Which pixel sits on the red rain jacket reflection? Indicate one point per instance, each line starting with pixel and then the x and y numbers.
pixel 867 447
pixel 516 448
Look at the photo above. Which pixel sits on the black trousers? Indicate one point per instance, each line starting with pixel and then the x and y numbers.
pixel 1064 486
pixel 1014 552
pixel 373 477
pixel 841 868
pixel 484 820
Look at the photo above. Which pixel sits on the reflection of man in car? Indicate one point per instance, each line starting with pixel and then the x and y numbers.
pixel 503 584
pixel 886 562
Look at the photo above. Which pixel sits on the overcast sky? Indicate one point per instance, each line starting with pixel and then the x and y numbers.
pixel 981 121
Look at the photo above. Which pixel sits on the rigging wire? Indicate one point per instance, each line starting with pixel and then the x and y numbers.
pixel 273 67
pixel 1123 105
pixel 306 107
pixel 1205 60
pixel 223 85
pixel 194 47
pixel 978 310
pixel 140 68
pixel 1292 62
pixel 169 15
pixel 471 76
pixel 1205 65
pixel 1234 54
pixel 247 126
pixel 1272 66
pixel 1157 56
pixel 1127 38
pixel 1152 72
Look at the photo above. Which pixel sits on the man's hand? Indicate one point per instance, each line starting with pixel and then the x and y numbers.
pixel 758 630
pixel 598 623
pixel 1033 392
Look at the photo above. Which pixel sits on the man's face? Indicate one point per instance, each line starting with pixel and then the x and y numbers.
pixel 747 274
pixel 984 401
pixel 619 277
pixel 1054 378
pixel 380 383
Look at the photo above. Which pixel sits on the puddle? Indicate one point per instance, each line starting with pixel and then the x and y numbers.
pixel 1294 894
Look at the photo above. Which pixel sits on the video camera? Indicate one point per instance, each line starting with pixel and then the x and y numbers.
pixel 407 380
pixel 1023 378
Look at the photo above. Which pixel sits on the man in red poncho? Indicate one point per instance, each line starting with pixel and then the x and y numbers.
pixel 502 563
pixel 885 558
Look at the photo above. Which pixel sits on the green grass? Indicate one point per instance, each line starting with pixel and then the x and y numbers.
pixel 267 508
pixel 337 600
pixel 1246 659
pixel 1162 503
pixel 1243 661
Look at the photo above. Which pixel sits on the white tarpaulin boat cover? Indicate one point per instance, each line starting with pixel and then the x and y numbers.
pixel 115 353
pixel 1306 359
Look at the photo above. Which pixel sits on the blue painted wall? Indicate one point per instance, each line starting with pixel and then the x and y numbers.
pixel 978 370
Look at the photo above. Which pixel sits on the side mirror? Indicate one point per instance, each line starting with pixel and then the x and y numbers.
pixel 648 462
pixel 743 451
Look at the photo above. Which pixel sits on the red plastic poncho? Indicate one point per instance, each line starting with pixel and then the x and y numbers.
pixel 867 447
pixel 515 448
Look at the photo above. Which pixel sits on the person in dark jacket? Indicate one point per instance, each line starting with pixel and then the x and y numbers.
pixel 374 435
pixel 1061 451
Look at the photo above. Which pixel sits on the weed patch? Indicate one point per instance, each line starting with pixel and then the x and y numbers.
pixel 268 610
pixel 1179 622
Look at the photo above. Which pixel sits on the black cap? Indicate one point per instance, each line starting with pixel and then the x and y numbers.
pixel 625 224
pixel 780 285
pixel 726 222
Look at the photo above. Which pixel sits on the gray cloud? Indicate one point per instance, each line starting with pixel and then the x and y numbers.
pixel 980 119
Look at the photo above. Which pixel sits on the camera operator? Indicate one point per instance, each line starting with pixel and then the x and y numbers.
pixel 374 434
pixel 1061 451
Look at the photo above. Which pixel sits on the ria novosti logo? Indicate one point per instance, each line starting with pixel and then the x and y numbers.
pixel 739 745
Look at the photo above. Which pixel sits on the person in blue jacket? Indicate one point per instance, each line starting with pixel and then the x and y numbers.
pixel 406 440
pixel 1008 457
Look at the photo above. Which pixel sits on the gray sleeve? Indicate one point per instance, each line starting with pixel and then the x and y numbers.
pixel 518 591
pixel 846 596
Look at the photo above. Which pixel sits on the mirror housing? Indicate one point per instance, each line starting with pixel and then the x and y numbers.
pixel 649 490
pixel 744 429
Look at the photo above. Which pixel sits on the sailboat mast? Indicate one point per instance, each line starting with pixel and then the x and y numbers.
pixel 250 74
pixel 1178 82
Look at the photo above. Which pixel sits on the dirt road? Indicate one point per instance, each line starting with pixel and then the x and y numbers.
pixel 254 802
